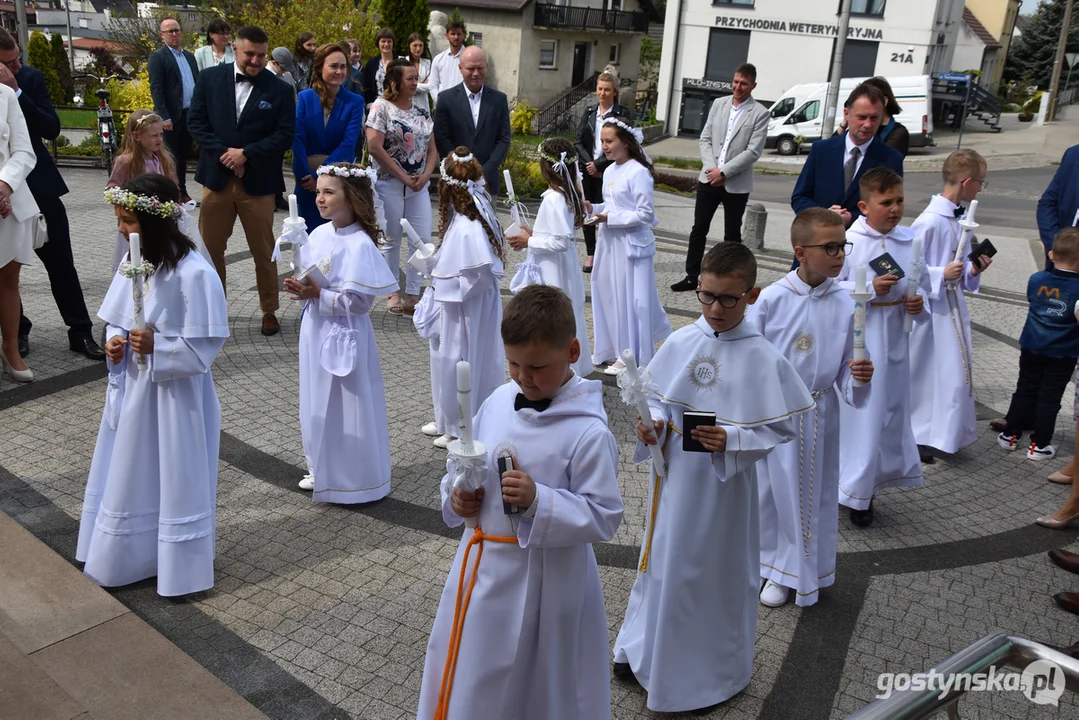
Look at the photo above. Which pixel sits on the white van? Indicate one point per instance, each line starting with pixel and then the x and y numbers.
pixel 800 111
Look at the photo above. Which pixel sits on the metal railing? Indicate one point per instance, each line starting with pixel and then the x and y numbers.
pixel 554 115
pixel 992 651
pixel 583 18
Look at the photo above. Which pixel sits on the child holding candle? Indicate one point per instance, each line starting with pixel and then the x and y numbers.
pixel 151 495
pixel 465 277
pixel 690 627
pixel 523 634
pixel 626 311
pixel 551 243
pixel 942 395
pixel 877 440
pixel 809 319
pixel 346 439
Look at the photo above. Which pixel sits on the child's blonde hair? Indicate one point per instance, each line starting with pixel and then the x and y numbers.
pixel 963 164
pixel 134 154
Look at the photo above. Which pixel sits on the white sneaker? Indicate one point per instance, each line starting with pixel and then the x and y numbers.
pixel 1041 453
pixel 774 595
pixel 616 369
pixel 1008 442
pixel 443 441
pixel 430 429
pixel 308 482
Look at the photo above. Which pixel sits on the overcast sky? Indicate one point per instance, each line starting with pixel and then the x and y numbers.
pixel 1027 6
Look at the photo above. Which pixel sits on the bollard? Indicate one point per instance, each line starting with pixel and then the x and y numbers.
pixel 753 225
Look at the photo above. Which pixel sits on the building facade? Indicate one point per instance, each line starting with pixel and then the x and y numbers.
pixel 977 49
pixel 791 42
pixel 999 18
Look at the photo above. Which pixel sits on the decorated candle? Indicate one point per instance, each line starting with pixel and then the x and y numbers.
pixel 861 296
pixel 633 375
pixel 914 277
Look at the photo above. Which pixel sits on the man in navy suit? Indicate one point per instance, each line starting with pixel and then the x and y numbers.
pixel 243 116
pixel 475 116
pixel 47 186
pixel 830 176
pixel 172 83
pixel 1059 204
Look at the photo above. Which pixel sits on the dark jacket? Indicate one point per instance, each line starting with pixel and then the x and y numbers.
pixel 488 140
pixel 1059 204
pixel 264 130
pixel 895 135
pixel 43 124
pixel 370 88
pixel 821 181
pixel 166 83
pixel 1051 329
pixel 586 136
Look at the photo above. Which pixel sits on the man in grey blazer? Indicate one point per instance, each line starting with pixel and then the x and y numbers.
pixel 731 142
pixel 476 116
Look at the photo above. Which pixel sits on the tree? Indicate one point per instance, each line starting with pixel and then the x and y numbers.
pixel 456 16
pixel 63 67
pixel 648 70
pixel 1035 52
pixel 140 36
pixel 405 17
pixel 284 20
pixel 39 55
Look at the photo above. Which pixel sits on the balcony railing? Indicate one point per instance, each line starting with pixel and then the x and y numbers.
pixel 582 18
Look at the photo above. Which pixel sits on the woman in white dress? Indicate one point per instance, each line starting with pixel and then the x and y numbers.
pixel 346 438
pixel 150 505
pixel 626 312
pixel 18 218
pixel 552 240
pixel 417 48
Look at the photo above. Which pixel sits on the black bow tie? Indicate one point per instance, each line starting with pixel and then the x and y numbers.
pixel 959 212
pixel 538 405
pixel 240 77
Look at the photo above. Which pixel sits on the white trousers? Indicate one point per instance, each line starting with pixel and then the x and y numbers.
pixel 401 201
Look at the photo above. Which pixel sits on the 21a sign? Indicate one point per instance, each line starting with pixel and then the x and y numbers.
pixel 907 58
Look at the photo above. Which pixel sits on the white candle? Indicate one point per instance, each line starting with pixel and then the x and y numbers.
pixel 861 296
pixel 633 374
pixel 464 403
pixel 136 248
pixel 412 235
pixel 914 277
pixel 859 279
pixel 509 183
pixel 293 211
pixel 135 257
pixel 969 225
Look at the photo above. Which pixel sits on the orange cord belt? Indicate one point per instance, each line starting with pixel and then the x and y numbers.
pixel 443 707
pixel 655 506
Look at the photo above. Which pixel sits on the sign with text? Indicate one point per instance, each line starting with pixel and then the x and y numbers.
pixel 797 28
pixel 703 84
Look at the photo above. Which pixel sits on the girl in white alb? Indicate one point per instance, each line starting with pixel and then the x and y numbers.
pixel 626 311
pixel 346 439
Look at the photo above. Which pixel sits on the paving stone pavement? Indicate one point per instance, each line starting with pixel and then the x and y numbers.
pixel 322 611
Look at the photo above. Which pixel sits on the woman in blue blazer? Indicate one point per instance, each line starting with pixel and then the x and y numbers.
pixel 329 120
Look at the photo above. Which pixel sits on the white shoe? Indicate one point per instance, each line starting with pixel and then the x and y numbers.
pixel 19 376
pixel 616 369
pixel 1009 443
pixel 308 482
pixel 430 429
pixel 1041 453
pixel 443 441
pixel 774 595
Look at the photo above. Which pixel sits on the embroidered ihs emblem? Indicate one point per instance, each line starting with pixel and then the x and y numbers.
pixel 504 449
pixel 803 344
pixel 703 371
pixel 324 266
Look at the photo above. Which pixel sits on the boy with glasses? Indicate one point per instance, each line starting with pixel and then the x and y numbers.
pixel 810 319
pixel 942 401
pixel 877 440
pixel 691 624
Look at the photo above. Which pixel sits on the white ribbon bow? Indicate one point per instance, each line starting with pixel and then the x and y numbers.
pixel 294 234
pixel 642 387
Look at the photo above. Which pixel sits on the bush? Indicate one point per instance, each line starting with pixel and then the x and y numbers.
pixel 80 150
pixel 680 183
pixel 522 117
pixel 89 141
pixel 528 182
pixel 39 54
pixel 62 141
pixel 1034 104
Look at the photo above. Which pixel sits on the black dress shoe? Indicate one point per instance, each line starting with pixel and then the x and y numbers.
pixel 87 346
pixel 270 326
pixel 1065 560
pixel 24 345
pixel 587 269
pixel 685 285
pixel 925 454
pixel 624 672
pixel 997 425
pixel 862 518
pixel 1068 601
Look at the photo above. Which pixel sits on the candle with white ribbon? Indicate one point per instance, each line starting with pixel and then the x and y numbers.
pixel 914 277
pixel 135 258
pixel 633 374
pixel 293 209
pixel 861 297
pixel 969 226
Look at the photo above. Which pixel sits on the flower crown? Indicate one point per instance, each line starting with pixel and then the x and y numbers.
pixel 566 158
pixel 634 131
pixel 354 171
pixel 150 204
pixel 450 180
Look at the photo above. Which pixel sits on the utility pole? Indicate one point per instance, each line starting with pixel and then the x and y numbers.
pixel 20 21
pixel 70 37
pixel 1062 44
pixel 830 109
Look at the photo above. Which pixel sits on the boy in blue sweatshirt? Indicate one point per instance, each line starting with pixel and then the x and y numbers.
pixel 1049 347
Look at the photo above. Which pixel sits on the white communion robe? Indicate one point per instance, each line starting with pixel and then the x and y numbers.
pixel 878 444
pixel 150 502
pixel 346 439
pixel 941 359
pixel 690 627
pixel 552 260
pixel 465 277
pixel 535 640
pixel 799 482
pixel 626 311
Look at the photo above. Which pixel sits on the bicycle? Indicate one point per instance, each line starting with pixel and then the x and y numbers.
pixel 106 123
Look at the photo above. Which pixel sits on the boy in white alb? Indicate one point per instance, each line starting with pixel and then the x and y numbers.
pixel 809 319
pixel 877 441
pixel 523 635
pixel 690 628
pixel 942 377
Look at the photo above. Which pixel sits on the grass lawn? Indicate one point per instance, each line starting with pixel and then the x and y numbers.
pixel 77 118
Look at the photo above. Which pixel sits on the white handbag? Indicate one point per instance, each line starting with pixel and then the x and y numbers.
pixel 41 232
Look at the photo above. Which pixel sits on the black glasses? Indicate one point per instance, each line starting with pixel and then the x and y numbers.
pixel 833 249
pixel 171 32
pixel 727 301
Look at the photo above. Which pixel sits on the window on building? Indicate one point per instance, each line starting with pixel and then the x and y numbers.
pixel 739 3
pixel 477 39
pixel 809 111
pixel 872 8
pixel 859 59
pixel 548 59
pixel 727 49
pixel 612 4
pixel 783 107
pixel 616 51
pixel 84 22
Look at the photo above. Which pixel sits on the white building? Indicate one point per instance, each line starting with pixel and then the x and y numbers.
pixel 791 42
pixel 977 49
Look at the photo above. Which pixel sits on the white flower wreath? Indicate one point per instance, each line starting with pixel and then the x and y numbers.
pixel 348 171
pixel 143 203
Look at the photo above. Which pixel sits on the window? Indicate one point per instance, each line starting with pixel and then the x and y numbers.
pixel 477 39
pixel 615 52
pixel 727 49
pixel 548 59
pixel 783 107
pixel 612 4
pixel 739 3
pixel 84 23
pixel 872 8
pixel 859 59
pixel 809 111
